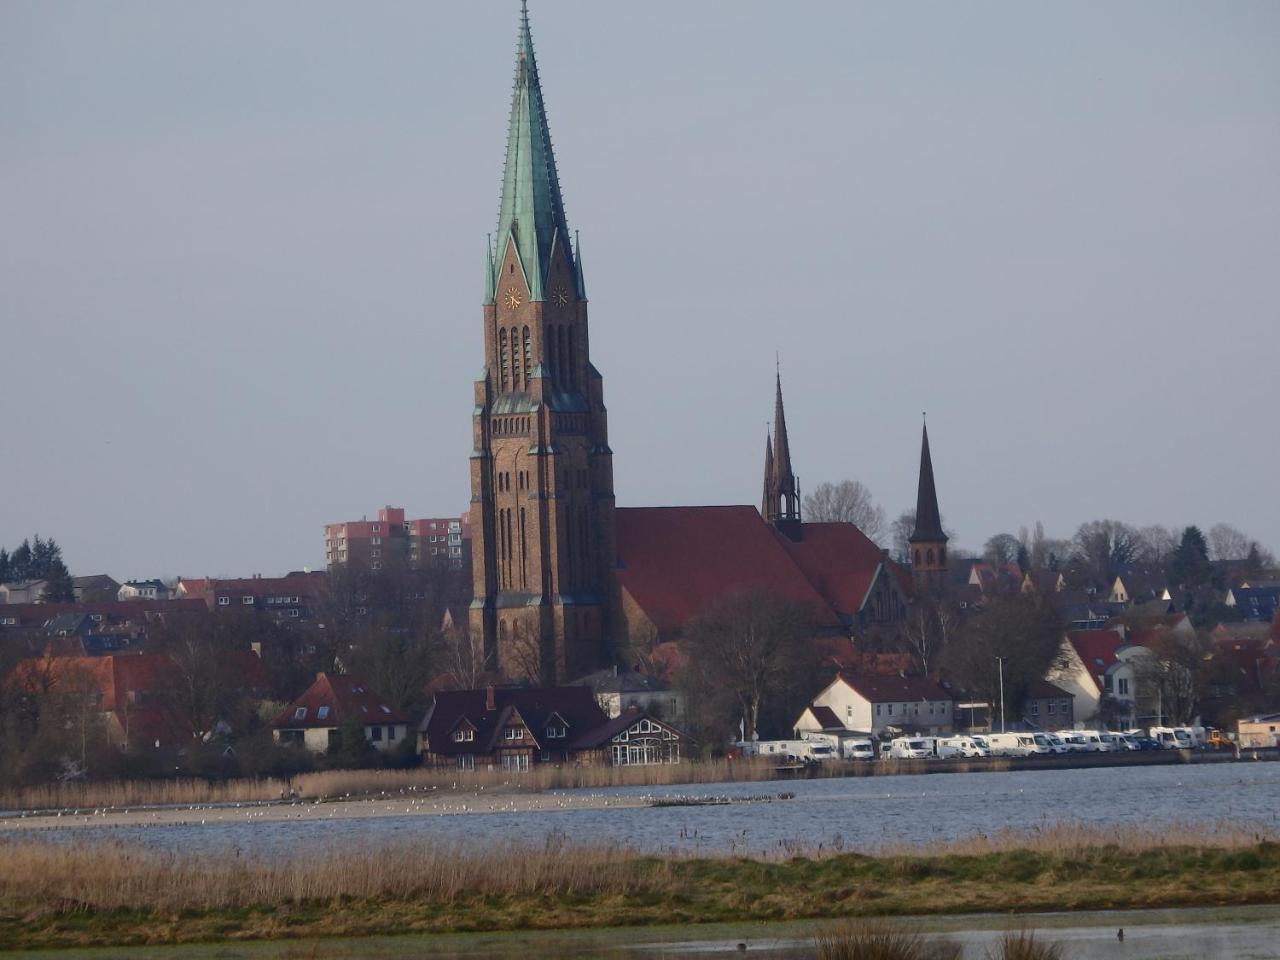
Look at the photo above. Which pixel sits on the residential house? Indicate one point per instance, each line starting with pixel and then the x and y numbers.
pixel 143 590
pixel 295 596
pixel 1262 730
pixel 872 705
pixel 515 728
pixel 95 588
pixel 1047 706
pixel 1098 669
pixel 21 592
pixel 1136 586
pixel 618 691
pixel 1254 603
pixel 104 627
pixel 314 720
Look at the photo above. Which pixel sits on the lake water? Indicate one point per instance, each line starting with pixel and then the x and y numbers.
pixel 855 813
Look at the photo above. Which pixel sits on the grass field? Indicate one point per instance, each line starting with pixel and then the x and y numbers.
pixel 63 894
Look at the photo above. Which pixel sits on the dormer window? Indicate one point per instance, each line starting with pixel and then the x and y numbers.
pixel 300 713
pixel 513 733
pixel 464 735
pixel 555 732
pixel 322 713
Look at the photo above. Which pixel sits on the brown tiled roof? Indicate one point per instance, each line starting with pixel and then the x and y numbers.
pixel 884 689
pixel 576 706
pixel 346 697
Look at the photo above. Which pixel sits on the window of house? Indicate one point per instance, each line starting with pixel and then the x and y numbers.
pixel 877 709
pixel 322 713
pixel 466 762
pixel 1124 686
pixel 1107 682
pixel 464 736
pixel 375 528
pixel 224 601
pixel 300 713
pixel 295 613
pixel 891 709
pixel 554 732
pixel 377 541
pixel 247 601
pixel 1035 708
pixel 1053 706
pixel 375 734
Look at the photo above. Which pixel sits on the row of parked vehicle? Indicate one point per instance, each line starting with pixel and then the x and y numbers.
pixel 820 747
pixel 1044 744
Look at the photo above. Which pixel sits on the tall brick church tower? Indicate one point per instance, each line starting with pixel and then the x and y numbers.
pixel 541 470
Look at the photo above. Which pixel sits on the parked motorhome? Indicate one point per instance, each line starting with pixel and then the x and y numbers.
pixel 1174 738
pixel 913 748
pixel 961 747
pixel 1016 744
pixel 859 750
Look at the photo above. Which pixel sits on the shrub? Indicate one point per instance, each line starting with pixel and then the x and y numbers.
pixel 877 940
pixel 1023 945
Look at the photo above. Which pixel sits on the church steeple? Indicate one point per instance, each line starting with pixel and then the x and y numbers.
pixel 928 540
pixel 542 501
pixel 532 210
pixel 782 489
pixel 768 476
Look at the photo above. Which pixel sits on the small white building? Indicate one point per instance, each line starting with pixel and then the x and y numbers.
pixel 143 590
pixel 315 719
pixel 870 705
pixel 1094 665
pixel 1259 731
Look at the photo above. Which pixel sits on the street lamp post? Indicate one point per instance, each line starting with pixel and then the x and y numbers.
pixel 1000 661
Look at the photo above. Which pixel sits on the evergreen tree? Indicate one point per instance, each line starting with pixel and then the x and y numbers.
pixel 20 563
pixel 46 555
pixel 58 587
pixel 1190 567
pixel 5 565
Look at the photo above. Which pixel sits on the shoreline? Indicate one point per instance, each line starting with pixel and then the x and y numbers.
pixel 428 791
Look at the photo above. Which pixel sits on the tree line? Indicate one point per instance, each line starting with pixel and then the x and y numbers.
pixel 39 559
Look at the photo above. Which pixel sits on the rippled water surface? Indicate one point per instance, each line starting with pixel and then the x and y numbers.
pixel 851 813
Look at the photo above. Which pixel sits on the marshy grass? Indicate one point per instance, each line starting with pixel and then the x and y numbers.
pixel 344 784
pixel 1024 945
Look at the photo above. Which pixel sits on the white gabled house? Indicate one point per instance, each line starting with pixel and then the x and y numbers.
pixel 870 705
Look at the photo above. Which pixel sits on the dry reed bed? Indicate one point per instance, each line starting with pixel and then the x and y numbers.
pixel 335 784
pixel 109 875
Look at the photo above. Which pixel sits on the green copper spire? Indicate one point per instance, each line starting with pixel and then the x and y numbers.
pixel 532 209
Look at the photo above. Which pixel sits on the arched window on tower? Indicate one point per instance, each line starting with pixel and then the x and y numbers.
pixel 928 556
pixel 528 358
pixel 503 359
pixel 917 560
pixel 515 358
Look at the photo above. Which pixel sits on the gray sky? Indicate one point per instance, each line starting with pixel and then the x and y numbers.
pixel 240 258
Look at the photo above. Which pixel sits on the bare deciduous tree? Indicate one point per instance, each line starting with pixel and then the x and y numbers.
pixel 1002 549
pixel 749 657
pixel 1104 547
pixel 464 657
pixel 848 501
pixel 1227 543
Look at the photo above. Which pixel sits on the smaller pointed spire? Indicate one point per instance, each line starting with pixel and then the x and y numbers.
pixel 782 446
pixel 784 491
pixel 928 518
pixel 490 272
pixel 768 503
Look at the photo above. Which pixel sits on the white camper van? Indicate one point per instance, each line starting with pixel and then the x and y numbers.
pixel 913 748
pixel 859 750
pixel 1016 745
pixel 961 747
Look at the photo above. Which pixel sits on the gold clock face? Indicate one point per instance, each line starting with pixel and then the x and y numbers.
pixel 561 296
pixel 513 298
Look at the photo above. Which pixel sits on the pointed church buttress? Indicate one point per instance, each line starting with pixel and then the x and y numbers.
pixel 541 467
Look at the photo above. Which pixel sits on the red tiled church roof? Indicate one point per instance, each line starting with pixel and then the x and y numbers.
pixel 839 560
pixel 673 561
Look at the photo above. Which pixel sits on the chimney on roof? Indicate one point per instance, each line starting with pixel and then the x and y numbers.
pixel 490 701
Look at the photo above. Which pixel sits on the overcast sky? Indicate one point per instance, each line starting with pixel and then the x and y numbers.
pixel 240 258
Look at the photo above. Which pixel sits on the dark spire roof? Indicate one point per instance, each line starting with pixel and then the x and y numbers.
pixel 928 520
pixel 532 209
pixel 768 476
pixel 781 447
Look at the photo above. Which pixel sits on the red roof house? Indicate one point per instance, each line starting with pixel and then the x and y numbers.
pixel 314 719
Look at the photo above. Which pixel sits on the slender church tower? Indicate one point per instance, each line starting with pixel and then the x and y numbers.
pixel 781 504
pixel 541 468
pixel 928 541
